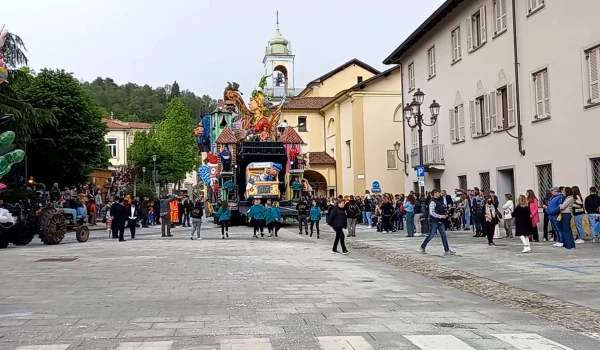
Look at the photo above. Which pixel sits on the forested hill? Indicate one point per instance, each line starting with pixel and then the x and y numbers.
pixel 132 102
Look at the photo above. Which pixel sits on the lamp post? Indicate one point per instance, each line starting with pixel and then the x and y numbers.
pixel 144 174
pixel 397 146
pixel 154 177
pixel 415 119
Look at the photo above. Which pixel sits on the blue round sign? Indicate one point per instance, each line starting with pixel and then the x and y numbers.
pixel 375 187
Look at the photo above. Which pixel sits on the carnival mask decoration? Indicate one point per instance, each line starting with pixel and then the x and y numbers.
pixel 3 68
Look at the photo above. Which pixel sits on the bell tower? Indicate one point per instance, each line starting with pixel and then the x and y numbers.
pixel 279 65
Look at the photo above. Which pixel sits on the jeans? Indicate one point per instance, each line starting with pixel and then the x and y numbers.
pixel 417 222
pixel 410 223
pixel 566 234
pixel 508 223
pixel 352 227
pixel 556 227
pixel 339 238
pixel 369 217
pixel 314 223
pixel 196 226
pixel 579 225
pixel 165 225
pixel 400 220
pixel 186 219
pixel 593 219
pixel 303 222
pixel 467 218
pixel 436 226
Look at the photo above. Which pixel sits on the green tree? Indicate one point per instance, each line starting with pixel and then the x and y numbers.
pixel 175 90
pixel 144 146
pixel 198 106
pixel 66 152
pixel 176 139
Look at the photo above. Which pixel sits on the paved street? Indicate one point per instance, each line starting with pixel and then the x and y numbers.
pixel 286 293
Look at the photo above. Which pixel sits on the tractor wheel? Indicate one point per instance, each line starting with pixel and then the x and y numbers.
pixel 52 226
pixel 22 238
pixel 3 240
pixel 82 234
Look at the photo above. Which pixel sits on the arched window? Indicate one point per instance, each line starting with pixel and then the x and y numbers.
pixel 331 127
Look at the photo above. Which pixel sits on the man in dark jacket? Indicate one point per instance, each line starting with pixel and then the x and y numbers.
pixel 338 221
pixel 302 208
pixel 353 212
pixel 132 217
pixel 592 208
pixel 119 215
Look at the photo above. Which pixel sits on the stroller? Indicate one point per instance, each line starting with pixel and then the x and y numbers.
pixel 454 219
pixel 394 221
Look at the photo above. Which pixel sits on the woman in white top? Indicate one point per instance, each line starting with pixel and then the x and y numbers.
pixel 578 212
pixel 508 208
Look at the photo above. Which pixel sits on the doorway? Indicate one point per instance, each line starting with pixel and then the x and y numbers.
pixel 506 184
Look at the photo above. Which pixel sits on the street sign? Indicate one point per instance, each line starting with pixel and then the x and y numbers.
pixel 421 178
pixel 420 171
pixel 421 183
pixel 375 187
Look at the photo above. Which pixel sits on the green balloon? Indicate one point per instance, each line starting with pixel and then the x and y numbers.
pixel 10 158
pixel 6 138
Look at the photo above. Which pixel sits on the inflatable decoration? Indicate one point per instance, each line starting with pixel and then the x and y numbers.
pixel 204 173
pixel 3 68
pixel 12 157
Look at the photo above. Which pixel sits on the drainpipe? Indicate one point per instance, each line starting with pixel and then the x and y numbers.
pixel 403 130
pixel 519 136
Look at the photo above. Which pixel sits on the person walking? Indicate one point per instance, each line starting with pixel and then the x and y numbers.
pixel 107 217
pixel 197 213
pixel 224 215
pixel 491 220
pixel 437 215
pixel 592 208
pixel 119 215
pixel 274 219
pixel 535 215
pixel 257 217
pixel 132 217
pixel 315 218
pixel 165 215
pixel 522 218
pixel 303 212
pixel 338 221
pixel 352 214
pixel 409 207
pixel 508 209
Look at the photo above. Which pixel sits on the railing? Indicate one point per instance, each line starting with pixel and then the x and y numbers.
pixel 432 155
pixel 297 164
pixel 281 91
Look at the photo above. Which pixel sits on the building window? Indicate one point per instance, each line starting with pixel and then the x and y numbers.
pixel 435 134
pixel 437 183
pixel 349 153
pixel 595 162
pixel 456 51
pixel 476 30
pixel 457 124
pixel 544 177
pixel 112 147
pixel 302 124
pixel 411 76
pixel 431 60
pixel 480 116
pixel 414 137
pixel 593 70
pixel 462 183
pixel 359 79
pixel 541 90
pixel 392 163
pixel 416 187
pixel 499 17
pixel 484 179
pixel 502 108
pixel 534 5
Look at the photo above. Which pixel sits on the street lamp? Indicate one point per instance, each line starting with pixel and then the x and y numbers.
pixel 144 174
pixel 397 146
pixel 415 119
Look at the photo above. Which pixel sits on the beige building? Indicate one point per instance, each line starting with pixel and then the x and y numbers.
pixel 519 94
pixel 118 138
pixel 349 119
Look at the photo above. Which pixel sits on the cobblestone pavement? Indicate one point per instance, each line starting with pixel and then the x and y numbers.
pixel 245 294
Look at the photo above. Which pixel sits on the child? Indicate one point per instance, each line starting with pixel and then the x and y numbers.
pixel 257 217
pixel 315 217
pixel 224 214
pixel 269 217
pixel 276 214
pixel 151 215
pixel 522 217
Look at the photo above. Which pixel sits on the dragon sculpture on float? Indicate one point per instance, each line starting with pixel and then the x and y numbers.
pixel 7 137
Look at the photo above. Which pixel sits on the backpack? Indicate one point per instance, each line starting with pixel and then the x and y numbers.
pixel 388 211
pixel 417 209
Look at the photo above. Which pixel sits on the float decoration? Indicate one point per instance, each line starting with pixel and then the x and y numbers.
pixel 3 68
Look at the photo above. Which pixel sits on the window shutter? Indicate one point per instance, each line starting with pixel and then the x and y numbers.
pixel 433 60
pixel 478 118
pixel 469 34
pixel 461 123
pixel 593 69
pixel 539 98
pixel 453 137
pixel 458 53
pixel 503 13
pixel 486 117
pixel 497 16
pixel 483 24
pixel 493 111
pixel 511 105
pixel 546 92
pixel 473 118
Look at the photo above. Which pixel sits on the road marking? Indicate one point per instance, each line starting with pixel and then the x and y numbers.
pixel 344 343
pixel 566 268
pixel 43 347
pixel 524 341
pixel 246 344
pixel 438 342
pixel 146 345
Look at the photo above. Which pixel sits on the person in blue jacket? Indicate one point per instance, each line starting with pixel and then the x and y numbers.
pixel 315 217
pixel 273 218
pixel 257 217
pixel 552 210
pixel 224 214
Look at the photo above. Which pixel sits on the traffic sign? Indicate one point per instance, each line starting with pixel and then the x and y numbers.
pixel 421 183
pixel 420 170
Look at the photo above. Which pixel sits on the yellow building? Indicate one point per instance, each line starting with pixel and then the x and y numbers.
pixel 349 119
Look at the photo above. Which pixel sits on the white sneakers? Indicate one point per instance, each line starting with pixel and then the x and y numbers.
pixel 526 249
pixel 558 244
pixel 579 241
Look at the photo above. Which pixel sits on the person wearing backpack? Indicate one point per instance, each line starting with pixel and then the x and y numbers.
pixel 352 213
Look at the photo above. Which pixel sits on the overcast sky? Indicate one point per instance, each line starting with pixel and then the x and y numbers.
pixel 205 43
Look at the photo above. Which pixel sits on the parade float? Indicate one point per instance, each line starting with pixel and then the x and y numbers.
pixel 248 153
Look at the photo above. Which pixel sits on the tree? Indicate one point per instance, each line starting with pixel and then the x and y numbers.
pixel 176 139
pixel 144 146
pixel 175 91
pixel 66 152
pixel 198 106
